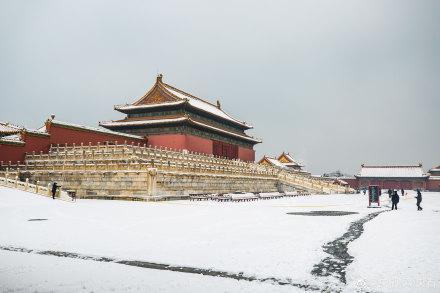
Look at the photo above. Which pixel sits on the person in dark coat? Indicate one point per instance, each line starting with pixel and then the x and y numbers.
pixel 402 191
pixel 54 189
pixel 390 193
pixel 419 200
pixel 394 200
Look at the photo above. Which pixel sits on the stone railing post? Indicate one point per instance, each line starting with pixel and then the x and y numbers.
pixel 49 187
pixel 26 186
pixel 151 181
pixel 37 187
pixel 16 182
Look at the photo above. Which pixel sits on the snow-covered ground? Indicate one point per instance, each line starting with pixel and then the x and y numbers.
pixel 400 250
pixel 258 239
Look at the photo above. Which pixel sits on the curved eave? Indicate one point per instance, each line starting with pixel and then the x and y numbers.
pixel 232 120
pixel 120 124
pixel 12 142
pixel 5 133
pixel 127 109
pixel 37 133
pixel 136 108
pixel 236 135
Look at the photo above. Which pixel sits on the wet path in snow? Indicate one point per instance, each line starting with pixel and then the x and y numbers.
pixel 339 259
pixel 166 267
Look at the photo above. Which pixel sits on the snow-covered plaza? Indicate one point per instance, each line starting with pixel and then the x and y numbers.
pixel 181 246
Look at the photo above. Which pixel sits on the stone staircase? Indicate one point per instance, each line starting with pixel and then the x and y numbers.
pixel 12 180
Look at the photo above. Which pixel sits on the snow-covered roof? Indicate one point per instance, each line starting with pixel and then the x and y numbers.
pixel 273 162
pixel 415 171
pixel 8 128
pixel 292 162
pixel 202 104
pixel 435 169
pixel 142 122
pixel 12 137
pixel 148 106
pixel 181 97
pixel 340 181
pixel 174 120
pixel 96 129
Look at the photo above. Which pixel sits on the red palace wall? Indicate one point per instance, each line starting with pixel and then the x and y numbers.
pixel 16 152
pixel 246 154
pixel 36 143
pixel 352 182
pixel 173 141
pixel 11 152
pixel 199 144
pixel 62 135
pixel 194 144
pixel 433 185
pixel 394 184
pixel 58 135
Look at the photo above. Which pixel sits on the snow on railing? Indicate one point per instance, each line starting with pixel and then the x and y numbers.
pixel 29 187
pixel 130 157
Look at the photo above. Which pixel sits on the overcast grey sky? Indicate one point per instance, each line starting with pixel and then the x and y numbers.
pixel 336 83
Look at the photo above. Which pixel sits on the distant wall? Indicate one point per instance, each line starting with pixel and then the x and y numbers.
pixel 35 142
pixel 57 134
pixel 15 151
pixel 61 134
pixel 11 152
pixel 433 184
pixel 391 183
pixel 352 182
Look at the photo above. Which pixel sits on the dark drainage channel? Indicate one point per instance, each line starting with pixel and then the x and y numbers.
pixel 339 259
pixel 33 220
pixel 167 267
pixel 322 213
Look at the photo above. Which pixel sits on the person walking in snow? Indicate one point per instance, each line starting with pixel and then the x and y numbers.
pixel 394 200
pixel 54 189
pixel 403 192
pixel 419 200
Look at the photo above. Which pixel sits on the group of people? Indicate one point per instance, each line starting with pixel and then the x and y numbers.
pixel 395 198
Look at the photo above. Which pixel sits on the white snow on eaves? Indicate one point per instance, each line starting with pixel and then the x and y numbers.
pixel 203 105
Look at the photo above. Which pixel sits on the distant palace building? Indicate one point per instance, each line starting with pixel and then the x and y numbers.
pixel 393 177
pixel 408 177
pixel 434 179
pixel 284 161
pixel 170 117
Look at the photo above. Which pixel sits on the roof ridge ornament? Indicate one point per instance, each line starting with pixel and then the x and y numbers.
pixel 159 78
